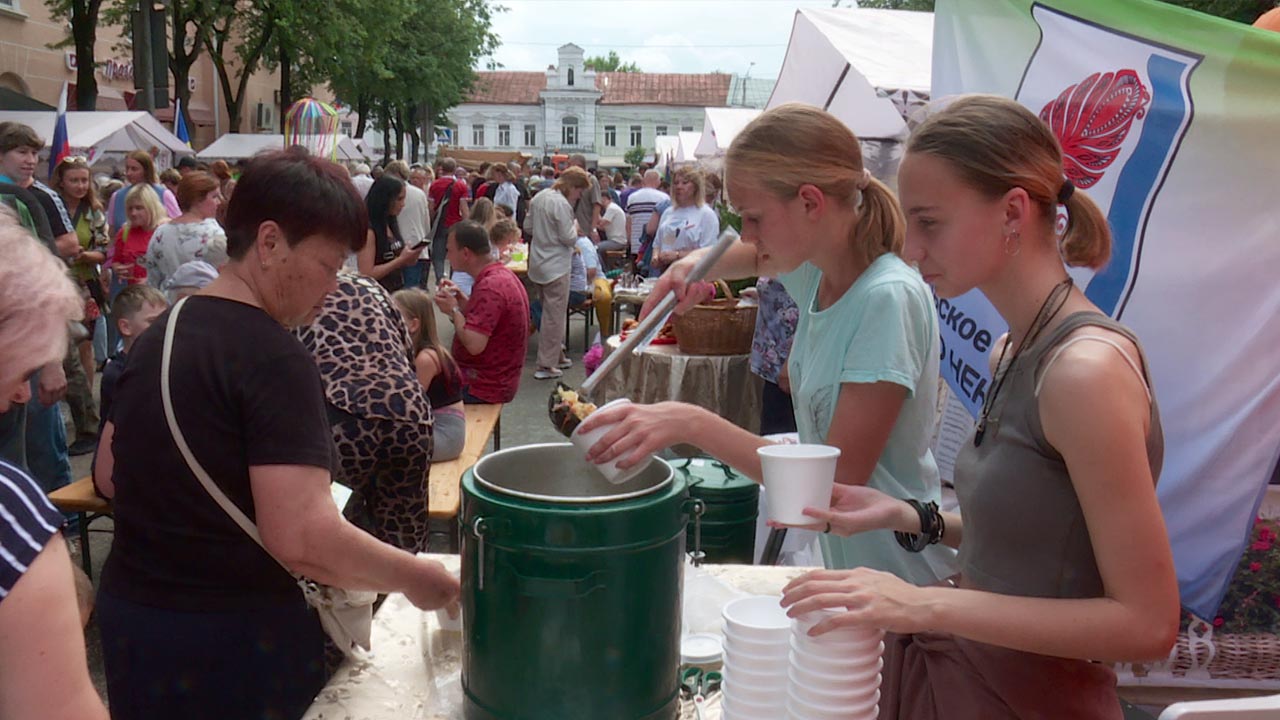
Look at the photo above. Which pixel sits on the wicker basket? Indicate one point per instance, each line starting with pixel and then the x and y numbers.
pixel 717 327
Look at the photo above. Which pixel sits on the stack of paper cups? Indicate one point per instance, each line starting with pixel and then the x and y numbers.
pixel 756 644
pixel 835 675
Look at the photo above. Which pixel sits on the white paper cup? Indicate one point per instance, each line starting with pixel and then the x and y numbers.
pixel 821 711
pixel 796 477
pixel 749 694
pixel 760 618
pixel 584 441
pixel 826 677
pixel 739 643
pixel 742 711
pixel 833 663
pixel 832 695
pixel 775 676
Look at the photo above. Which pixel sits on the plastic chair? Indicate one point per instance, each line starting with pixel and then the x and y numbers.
pixel 1256 708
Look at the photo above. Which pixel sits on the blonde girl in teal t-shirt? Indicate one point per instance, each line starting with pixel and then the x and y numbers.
pixel 864 365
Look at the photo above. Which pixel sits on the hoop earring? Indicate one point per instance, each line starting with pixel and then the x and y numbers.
pixel 1016 237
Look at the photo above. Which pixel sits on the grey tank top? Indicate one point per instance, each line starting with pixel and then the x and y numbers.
pixel 1024 531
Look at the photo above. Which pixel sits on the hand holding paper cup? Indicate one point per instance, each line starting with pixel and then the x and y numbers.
pixel 796 477
pixel 585 440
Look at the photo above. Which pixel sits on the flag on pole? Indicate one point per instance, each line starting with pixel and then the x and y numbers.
pixel 180 123
pixel 1167 119
pixel 60 146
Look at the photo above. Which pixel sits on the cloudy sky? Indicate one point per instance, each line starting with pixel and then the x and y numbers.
pixel 658 35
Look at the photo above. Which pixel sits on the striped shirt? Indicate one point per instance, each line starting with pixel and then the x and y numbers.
pixel 27 521
pixel 640 206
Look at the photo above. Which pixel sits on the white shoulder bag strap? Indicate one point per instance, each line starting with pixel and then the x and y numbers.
pixel 196 469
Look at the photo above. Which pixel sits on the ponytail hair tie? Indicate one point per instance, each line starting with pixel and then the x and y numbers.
pixel 1064 194
pixel 863 180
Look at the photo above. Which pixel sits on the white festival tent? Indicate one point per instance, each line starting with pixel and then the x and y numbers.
pixel 687 143
pixel 665 148
pixel 107 135
pixel 237 146
pixel 847 61
pixel 719 127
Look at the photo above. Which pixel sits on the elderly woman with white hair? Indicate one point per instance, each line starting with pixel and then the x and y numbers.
pixel 43 670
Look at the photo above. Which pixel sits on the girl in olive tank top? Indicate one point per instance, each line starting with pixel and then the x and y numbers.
pixel 1065 566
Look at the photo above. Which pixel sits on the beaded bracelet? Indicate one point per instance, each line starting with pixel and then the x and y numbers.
pixel 932 528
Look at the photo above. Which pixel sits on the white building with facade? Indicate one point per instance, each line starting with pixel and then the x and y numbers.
pixel 572 109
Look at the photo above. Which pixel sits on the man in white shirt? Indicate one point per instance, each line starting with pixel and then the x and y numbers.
pixel 640 207
pixel 414 221
pixel 613 222
pixel 361 178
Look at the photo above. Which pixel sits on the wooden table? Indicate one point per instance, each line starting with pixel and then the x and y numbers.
pixel 79 498
pixel 444 482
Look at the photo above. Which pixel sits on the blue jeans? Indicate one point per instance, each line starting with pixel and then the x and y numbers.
pixel 412 275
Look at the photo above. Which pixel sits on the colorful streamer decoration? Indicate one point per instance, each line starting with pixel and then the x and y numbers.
pixel 313 125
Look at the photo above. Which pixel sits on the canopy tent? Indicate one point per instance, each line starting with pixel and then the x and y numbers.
pixel 100 135
pixel 846 61
pixel 719 127
pixel 665 148
pixel 686 144
pixel 238 146
pixel 14 100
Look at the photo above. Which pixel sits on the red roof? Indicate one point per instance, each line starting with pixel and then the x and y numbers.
pixel 507 88
pixel 522 88
pixel 699 90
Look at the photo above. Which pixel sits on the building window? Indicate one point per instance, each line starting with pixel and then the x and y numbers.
pixel 660 130
pixel 504 136
pixel 569 131
pixel 635 136
pixel 477 135
pixel 530 135
pixel 686 128
pixel 611 136
pixel 570 76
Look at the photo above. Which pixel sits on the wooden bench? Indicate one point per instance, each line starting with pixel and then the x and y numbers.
pixel 80 498
pixel 445 482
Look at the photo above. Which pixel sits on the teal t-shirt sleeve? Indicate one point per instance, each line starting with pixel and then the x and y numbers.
pixel 799 284
pixel 893 343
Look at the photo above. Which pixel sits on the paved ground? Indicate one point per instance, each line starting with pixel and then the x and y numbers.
pixel 524 421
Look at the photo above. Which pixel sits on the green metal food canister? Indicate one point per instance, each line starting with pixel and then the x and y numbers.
pixel 732 502
pixel 571 588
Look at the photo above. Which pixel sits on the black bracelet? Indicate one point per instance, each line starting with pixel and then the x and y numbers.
pixel 932 528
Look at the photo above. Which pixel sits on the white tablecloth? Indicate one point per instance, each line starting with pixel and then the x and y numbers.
pixel 412 673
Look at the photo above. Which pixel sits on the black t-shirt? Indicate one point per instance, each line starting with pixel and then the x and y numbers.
pixel 59 221
pixel 245 393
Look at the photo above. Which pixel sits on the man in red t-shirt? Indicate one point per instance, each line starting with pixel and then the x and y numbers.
pixel 491 327
pixel 457 193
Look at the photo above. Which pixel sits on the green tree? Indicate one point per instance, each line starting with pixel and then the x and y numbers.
pixel 190 22
pixel 610 63
pixel 82 16
pixel 236 42
pixel 634 157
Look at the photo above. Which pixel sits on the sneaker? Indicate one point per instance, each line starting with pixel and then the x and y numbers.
pixel 565 364
pixel 546 374
pixel 83 445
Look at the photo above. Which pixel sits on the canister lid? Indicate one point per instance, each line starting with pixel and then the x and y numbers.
pixel 713 480
pixel 700 649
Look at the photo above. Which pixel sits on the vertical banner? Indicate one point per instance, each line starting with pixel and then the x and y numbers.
pixel 1167 120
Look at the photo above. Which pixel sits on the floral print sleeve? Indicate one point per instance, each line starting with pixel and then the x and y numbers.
pixel 775 328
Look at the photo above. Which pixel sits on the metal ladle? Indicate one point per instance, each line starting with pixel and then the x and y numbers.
pixel 561 416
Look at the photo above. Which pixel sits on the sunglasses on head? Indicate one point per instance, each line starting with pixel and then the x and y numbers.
pixel 74 159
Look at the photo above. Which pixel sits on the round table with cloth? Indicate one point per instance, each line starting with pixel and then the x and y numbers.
pixel 723 384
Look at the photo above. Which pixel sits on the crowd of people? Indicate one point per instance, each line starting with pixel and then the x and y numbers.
pixel 1059 562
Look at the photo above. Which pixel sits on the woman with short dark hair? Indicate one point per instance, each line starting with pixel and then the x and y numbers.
pixel 385 256
pixel 193 235
pixel 247 399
